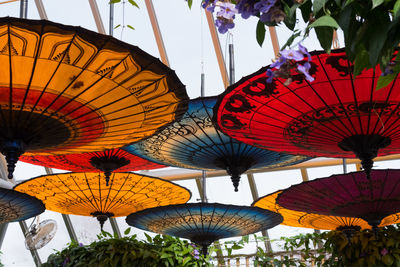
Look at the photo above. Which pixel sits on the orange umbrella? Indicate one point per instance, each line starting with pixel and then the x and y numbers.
pixel 65 90
pixel 87 194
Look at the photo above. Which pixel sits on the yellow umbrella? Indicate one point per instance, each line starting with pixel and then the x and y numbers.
pixel 87 194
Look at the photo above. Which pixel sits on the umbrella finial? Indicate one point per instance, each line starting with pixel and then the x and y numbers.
pixel 366 147
pixel 108 164
pixel 204 250
pixel 102 217
pixel 349 231
pixel 235 180
pixel 12 149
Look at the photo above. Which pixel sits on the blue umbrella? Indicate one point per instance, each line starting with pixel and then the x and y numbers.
pixel 204 223
pixel 193 142
pixel 16 206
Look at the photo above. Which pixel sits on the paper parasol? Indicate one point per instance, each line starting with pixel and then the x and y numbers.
pixel 194 142
pixel 204 223
pixel 87 194
pixel 348 195
pixel 105 161
pixel 17 206
pixel 336 115
pixel 65 90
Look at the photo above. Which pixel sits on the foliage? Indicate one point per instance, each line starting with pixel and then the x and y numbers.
pixel 332 249
pixel 128 251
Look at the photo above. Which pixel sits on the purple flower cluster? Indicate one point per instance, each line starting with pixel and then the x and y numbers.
pixel 267 10
pixel 289 62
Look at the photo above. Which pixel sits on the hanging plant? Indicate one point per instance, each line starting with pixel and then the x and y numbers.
pixel 371 28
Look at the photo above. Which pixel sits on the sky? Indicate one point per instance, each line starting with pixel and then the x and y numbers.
pixel 189 47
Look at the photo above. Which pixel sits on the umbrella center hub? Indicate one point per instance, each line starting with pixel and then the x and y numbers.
pixel 235 167
pixel 365 147
pixel 108 164
pixel 349 231
pixel 26 131
pixel 102 217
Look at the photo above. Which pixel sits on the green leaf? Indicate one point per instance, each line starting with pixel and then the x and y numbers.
pixel 260 33
pixel 291 39
pixel 127 231
pixel 324 21
pixel 306 10
pixel 376 3
pixel 325 37
pixel 130 27
pixel 133 3
pixel 396 9
pixel 114 1
pixel 318 5
pixel 384 81
pixel 190 2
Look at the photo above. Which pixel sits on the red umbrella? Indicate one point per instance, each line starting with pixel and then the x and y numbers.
pixel 105 161
pixel 336 115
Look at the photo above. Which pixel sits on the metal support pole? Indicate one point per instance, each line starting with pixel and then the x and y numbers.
pixel 66 218
pixel 23 9
pixel 344 166
pixel 114 226
pixel 217 48
pixel 254 193
pixel 111 25
pixel 231 65
pixel 274 40
pixel 34 253
pixel 97 17
pixel 157 32
pixel 3 230
pixel 40 8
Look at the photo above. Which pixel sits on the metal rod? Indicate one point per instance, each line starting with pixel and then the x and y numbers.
pixel 70 227
pixel 204 187
pixel 3 230
pixel 114 226
pixel 111 25
pixel 217 48
pixel 344 166
pixel 202 85
pixel 231 65
pixel 23 9
pixel 157 32
pixel 97 17
pixel 254 193
pixel 41 9
pixel 34 252
pixel 274 40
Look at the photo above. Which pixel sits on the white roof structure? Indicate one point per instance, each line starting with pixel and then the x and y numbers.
pixel 187 41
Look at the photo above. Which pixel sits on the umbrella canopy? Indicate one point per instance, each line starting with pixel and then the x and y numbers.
pixel 17 206
pixel 105 161
pixel 349 195
pixel 337 115
pixel 318 221
pixel 194 142
pixel 204 223
pixel 87 194
pixel 65 89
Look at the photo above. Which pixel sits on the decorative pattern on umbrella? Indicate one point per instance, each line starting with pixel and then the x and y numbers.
pixel 349 195
pixel 334 116
pixel 105 161
pixel 204 223
pixel 87 194
pixel 17 206
pixel 65 89
pixel 194 142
